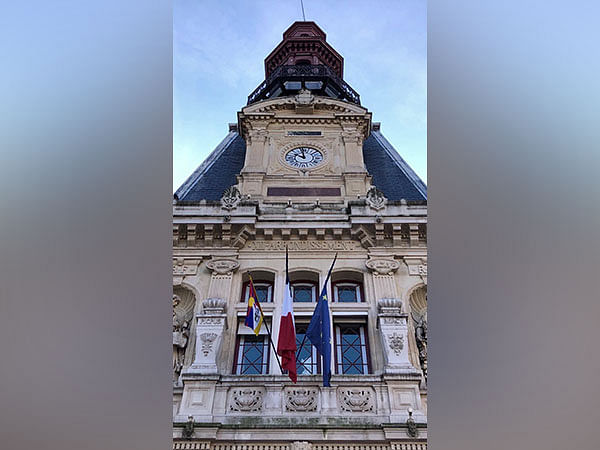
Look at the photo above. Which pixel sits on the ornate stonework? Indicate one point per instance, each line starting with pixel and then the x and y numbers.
pixel 356 400
pixel 181 267
pixel 396 343
pixel 382 266
pixel 214 306
pixel 304 245
pixel 246 400
pixel 390 305
pixel 207 342
pixel 223 266
pixel 301 399
pixel 375 199
pixel 231 198
pixel 304 97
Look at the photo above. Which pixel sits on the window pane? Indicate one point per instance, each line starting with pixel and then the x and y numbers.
pixel 263 293
pixel 303 294
pixel 351 350
pixel 347 294
pixel 252 355
pixel 306 362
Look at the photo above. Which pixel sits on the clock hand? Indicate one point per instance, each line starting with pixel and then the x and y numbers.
pixel 302 150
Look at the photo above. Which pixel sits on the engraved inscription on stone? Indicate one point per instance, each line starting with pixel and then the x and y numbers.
pixel 302 245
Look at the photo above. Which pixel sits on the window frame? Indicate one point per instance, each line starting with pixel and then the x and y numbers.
pixel 246 290
pixel 359 287
pixel 365 348
pixel 314 290
pixel 238 356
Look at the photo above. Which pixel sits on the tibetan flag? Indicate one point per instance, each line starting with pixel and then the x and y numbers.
pixel 254 317
pixel 319 329
pixel 286 343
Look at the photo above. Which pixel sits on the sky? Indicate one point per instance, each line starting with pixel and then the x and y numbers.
pixel 219 47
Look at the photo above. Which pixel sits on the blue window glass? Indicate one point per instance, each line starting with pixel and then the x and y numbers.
pixel 253 355
pixel 304 292
pixel 306 362
pixel 347 292
pixel 351 350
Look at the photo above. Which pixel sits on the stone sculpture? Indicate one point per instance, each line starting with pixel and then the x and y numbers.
pixel 181 333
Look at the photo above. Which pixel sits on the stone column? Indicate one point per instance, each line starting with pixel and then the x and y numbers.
pixel 210 326
pixel 393 328
pixel 383 269
pixel 212 321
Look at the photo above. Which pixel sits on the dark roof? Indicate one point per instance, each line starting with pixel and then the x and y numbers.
pixel 391 174
pixel 216 173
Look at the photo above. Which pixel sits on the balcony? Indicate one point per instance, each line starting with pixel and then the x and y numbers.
pixel 288 80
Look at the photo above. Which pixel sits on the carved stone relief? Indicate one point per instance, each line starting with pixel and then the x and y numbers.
pixel 301 445
pixel 396 342
pixel 382 266
pixel 180 268
pixel 223 266
pixel 375 199
pixel 417 267
pixel 301 399
pixel 246 400
pixel 390 305
pixel 207 342
pixel 304 97
pixel 213 306
pixel 181 333
pixel 356 399
pixel 231 198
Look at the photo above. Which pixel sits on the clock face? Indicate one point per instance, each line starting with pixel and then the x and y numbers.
pixel 304 157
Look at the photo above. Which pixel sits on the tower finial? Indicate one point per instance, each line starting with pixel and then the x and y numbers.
pixel 303 16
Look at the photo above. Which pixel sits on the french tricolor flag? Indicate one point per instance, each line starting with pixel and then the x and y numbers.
pixel 286 343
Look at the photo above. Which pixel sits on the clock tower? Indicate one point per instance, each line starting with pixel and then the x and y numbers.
pixel 304 126
pixel 304 170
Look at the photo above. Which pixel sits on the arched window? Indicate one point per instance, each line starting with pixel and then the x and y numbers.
pixel 304 285
pixel 263 283
pixel 264 291
pixel 347 287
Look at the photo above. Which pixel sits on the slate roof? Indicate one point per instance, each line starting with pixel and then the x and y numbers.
pixel 391 174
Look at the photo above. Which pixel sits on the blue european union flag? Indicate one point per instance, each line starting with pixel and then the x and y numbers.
pixel 319 330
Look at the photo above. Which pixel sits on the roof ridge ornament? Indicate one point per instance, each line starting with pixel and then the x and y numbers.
pixel 231 198
pixel 375 198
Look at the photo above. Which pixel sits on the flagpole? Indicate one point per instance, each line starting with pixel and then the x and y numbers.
pixel 266 325
pixel 324 285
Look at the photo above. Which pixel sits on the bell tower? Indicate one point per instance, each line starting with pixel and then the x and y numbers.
pixel 304 126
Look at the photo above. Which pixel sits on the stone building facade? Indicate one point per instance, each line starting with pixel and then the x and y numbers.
pixel 305 168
